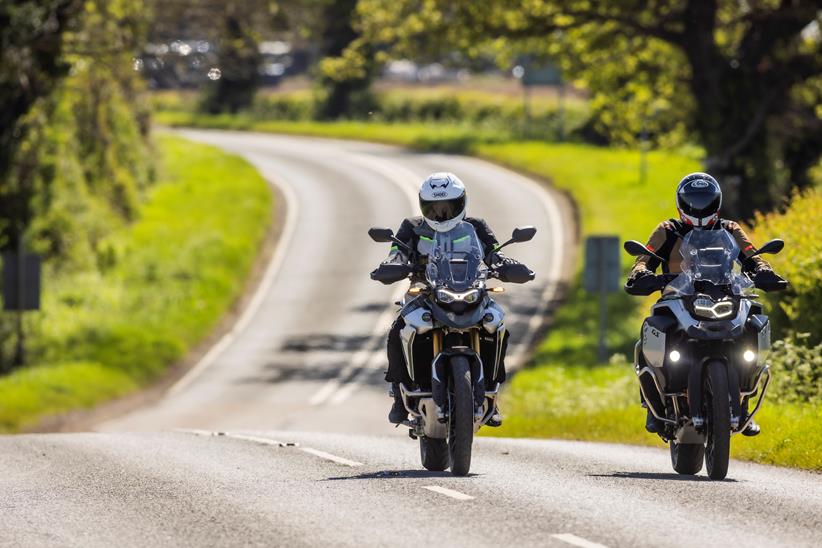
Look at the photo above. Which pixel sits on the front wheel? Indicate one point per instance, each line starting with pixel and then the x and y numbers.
pixel 718 446
pixel 461 418
pixel 686 458
pixel 434 454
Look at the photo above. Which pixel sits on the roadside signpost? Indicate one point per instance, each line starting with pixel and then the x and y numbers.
pixel 602 275
pixel 21 290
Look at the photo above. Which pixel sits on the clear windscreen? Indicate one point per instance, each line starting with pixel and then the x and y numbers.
pixel 455 261
pixel 708 255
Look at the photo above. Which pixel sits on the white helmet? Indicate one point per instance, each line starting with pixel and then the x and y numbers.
pixel 442 201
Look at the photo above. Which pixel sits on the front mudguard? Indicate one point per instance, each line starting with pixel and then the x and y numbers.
pixel 441 373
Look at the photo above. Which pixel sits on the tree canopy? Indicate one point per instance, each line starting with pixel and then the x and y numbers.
pixel 743 78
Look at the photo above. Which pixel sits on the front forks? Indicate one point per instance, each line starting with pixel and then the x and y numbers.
pixel 696 395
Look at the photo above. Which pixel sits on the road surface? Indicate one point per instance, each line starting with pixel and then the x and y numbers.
pixel 277 437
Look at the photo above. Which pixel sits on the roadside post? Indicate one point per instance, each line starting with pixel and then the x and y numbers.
pixel 602 275
pixel 21 290
pixel 531 74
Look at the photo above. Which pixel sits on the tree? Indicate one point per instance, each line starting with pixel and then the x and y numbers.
pixel 744 77
pixel 347 66
pixel 31 34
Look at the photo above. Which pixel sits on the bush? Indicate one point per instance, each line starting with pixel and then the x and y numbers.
pixel 799 309
pixel 797 370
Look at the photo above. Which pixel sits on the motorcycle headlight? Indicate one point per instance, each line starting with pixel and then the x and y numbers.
pixel 469 297
pixel 707 308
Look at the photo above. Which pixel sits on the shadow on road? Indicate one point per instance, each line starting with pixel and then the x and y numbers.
pixel 398 474
pixel 668 476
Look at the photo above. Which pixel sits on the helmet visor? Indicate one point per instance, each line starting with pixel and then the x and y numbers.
pixel 700 204
pixel 442 210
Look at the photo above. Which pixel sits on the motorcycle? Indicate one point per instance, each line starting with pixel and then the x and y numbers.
pixel 453 339
pixel 702 356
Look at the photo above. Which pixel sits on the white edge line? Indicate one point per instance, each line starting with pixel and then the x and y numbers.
pixel 291 211
pixel 577 541
pixel 258 439
pixel 329 456
pixel 448 492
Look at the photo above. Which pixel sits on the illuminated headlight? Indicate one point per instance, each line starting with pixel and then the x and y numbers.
pixel 674 356
pixel 749 356
pixel 706 308
pixel 445 296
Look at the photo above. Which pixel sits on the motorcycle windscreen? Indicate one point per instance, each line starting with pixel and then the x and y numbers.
pixel 455 261
pixel 708 255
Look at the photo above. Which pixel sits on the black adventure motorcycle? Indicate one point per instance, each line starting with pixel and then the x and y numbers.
pixel 701 359
pixel 452 341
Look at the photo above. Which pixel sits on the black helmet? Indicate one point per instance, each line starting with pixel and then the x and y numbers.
pixel 698 199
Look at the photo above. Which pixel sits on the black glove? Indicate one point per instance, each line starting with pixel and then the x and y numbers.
pixel 497 259
pixel 766 279
pixel 638 275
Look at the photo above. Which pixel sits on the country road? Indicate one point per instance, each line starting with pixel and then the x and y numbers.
pixel 278 436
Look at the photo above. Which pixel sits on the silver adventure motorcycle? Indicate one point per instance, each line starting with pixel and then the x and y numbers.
pixel 452 340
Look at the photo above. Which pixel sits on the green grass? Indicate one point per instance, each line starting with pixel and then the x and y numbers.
pixel 169 278
pixel 565 393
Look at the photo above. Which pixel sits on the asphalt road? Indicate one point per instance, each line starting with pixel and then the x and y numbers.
pixel 304 455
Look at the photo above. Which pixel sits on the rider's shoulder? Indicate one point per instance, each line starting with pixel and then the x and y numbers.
pixel 478 222
pixel 413 222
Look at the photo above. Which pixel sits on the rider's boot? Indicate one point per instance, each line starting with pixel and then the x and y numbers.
pixel 752 429
pixel 398 412
pixel 652 424
pixel 496 418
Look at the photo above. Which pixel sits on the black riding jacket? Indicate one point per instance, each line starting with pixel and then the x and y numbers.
pixel 413 230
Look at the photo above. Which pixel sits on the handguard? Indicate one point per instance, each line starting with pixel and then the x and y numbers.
pixel 768 280
pixel 388 273
pixel 515 273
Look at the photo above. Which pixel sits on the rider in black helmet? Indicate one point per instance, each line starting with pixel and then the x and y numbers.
pixel 698 200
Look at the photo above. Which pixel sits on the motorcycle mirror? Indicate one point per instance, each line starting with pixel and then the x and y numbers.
pixel 382 235
pixel 773 247
pixel 636 249
pixel 523 234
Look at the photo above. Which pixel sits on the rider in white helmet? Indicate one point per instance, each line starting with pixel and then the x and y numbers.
pixel 443 203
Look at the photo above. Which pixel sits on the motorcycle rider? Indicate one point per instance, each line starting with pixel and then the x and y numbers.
pixel 698 200
pixel 442 203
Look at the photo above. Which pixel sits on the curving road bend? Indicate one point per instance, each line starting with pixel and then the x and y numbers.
pixel 278 436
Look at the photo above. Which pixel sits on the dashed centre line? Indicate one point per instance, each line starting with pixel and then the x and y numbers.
pixel 448 492
pixel 329 456
pixel 577 541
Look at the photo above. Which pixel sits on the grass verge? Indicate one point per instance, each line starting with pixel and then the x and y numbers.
pixel 171 276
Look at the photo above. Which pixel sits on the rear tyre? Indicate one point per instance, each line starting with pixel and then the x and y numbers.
pixel 718 446
pixel 686 458
pixel 434 454
pixel 461 418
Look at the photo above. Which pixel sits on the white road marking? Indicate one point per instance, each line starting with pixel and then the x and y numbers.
pixel 329 456
pixel 337 389
pixel 577 541
pixel 448 492
pixel 264 441
pixel 195 432
pixel 291 211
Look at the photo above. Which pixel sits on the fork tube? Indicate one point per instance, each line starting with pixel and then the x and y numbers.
pixel 475 341
pixel 437 341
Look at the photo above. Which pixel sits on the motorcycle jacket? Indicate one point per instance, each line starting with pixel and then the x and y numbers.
pixel 418 235
pixel 666 241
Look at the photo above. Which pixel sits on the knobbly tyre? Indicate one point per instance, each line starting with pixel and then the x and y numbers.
pixel 701 359
pixel 450 313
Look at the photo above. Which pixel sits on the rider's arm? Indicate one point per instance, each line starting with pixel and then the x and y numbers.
pixel 645 264
pixel 746 247
pixel 404 234
pixel 484 233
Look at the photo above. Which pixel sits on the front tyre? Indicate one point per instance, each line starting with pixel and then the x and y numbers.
pixel 686 458
pixel 434 454
pixel 718 446
pixel 461 418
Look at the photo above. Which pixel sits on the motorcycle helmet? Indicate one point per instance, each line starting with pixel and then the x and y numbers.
pixel 698 199
pixel 442 201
